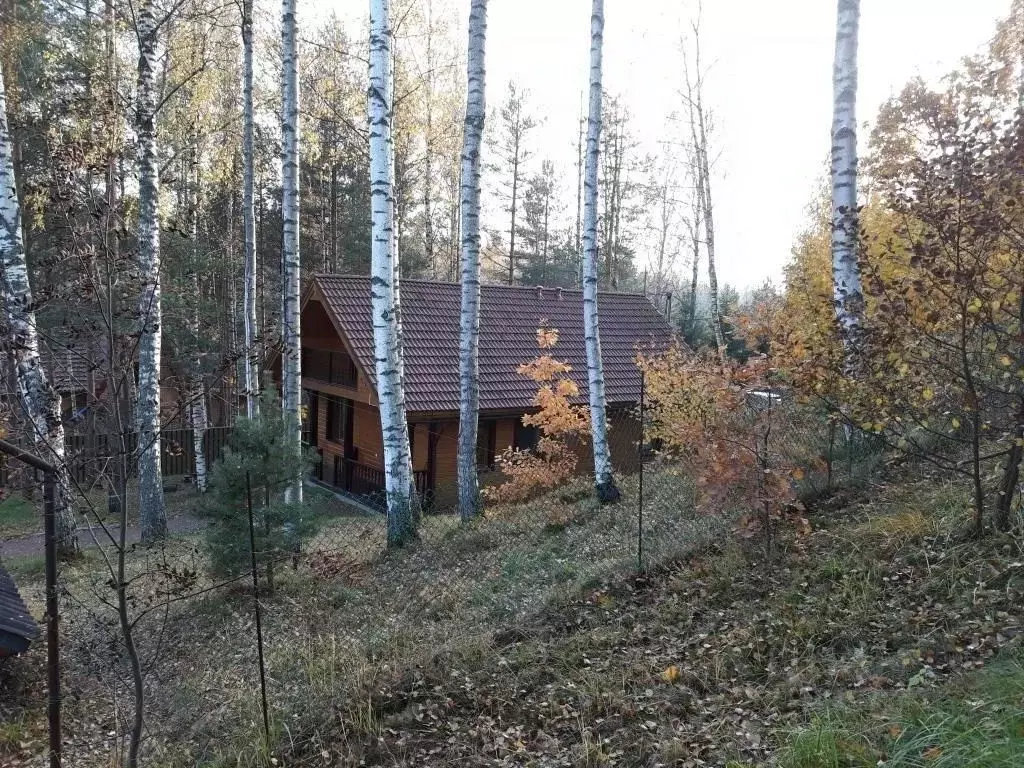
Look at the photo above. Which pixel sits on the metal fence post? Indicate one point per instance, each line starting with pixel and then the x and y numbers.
pixel 52 620
pixel 259 617
pixel 52 607
pixel 640 490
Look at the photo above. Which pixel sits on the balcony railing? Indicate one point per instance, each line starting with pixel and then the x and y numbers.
pixel 365 480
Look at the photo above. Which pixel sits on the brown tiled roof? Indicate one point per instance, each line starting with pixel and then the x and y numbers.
pixel 509 318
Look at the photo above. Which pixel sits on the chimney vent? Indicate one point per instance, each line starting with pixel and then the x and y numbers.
pixel 540 292
pixel 558 293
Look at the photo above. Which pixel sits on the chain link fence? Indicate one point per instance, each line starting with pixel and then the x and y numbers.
pixel 335 615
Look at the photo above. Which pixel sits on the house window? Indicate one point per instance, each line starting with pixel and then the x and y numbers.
pixel 526 437
pixel 331 367
pixel 486 444
pixel 339 416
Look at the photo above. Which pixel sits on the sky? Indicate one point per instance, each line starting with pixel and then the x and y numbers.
pixel 769 86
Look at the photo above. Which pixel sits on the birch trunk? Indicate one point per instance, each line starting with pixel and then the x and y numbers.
pixel 384 282
pixel 197 390
pixel 699 137
pixel 469 321
pixel 152 516
pixel 41 403
pixel 250 327
pixel 291 356
pixel 846 286
pixel 603 478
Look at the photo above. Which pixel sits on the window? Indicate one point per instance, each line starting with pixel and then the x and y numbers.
pixel 339 418
pixel 331 367
pixel 486 439
pixel 526 437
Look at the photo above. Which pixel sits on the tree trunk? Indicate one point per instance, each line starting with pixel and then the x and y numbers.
pixel 846 285
pixel 197 390
pixel 699 137
pixel 384 282
pixel 469 321
pixel 291 333
pixel 250 328
pixel 603 477
pixel 41 403
pixel 152 516
pixel 512 225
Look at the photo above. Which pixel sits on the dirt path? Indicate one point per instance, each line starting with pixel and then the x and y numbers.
pixel 32 545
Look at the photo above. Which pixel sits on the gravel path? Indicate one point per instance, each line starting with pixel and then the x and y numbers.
pixel 32 545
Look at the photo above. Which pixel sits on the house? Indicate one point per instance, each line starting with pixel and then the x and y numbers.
pixel 338 377
pixel 17 627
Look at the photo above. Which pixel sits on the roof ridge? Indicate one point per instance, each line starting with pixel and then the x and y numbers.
pixel 493 286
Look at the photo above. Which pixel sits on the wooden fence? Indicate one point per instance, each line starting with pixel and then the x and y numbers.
pixel 90 456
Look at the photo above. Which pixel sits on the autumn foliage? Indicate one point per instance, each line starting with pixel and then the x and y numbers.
pixel 561 424
pixel 716 421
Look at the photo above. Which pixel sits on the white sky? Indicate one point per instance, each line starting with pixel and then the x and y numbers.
pixel 769 86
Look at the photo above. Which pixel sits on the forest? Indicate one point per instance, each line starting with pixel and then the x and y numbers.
pixel 689 523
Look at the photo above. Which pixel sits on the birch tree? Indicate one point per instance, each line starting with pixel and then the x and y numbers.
pixel 39 400
pixel 384 282
pixel 152 516
pixel 291 356
pixel 603 478
pixel 197 417
pixel 846 284
pixel 249 323
pixel 699 130
pixel 469 321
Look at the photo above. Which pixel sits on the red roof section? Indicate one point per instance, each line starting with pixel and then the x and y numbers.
pixel 509 318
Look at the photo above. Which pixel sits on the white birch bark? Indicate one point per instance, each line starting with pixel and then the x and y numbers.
pixel 384 282
pixel 291 356
pixel 250 327
pixel 846 286
pixel 603 477
pixel 152 516
pixel 469 320
pixel 41 403
pixel 197 387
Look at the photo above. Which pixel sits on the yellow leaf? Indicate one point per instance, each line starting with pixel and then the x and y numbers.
pixel 1006 361
pixel 798 474
pixel 933 753
pixel 895 731
pixel 928 393
pixel 671 674
pixel 956 423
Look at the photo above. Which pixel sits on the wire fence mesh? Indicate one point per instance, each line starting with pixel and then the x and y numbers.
pixel 340 612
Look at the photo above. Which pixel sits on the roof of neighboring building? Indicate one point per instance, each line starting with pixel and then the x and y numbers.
pixel 17 627
pixel 509 319
pixel 66 368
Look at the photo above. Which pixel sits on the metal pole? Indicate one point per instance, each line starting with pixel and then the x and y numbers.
pixel 52 607
pixel 52 621
pixel 259 618
pixel 640 493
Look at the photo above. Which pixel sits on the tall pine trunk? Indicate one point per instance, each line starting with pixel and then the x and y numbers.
pixel 291 334
pixel 250 327
pixel 846 286
pixel 469 320
pixel 384 282
pixel 40 401
pixel 152 516
pixel 603 477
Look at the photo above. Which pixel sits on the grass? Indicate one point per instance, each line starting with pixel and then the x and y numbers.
pixel 18 517
pixel 974 722
pixel 514 641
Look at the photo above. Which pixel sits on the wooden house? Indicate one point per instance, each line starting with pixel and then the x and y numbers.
pixel 338 378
